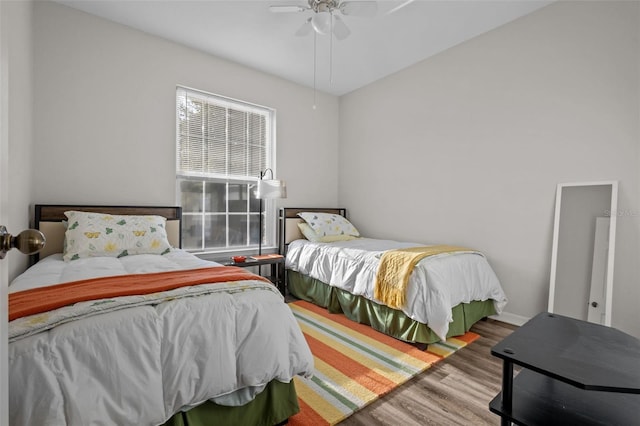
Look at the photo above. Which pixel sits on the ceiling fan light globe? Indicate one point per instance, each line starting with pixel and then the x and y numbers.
pixel 321 22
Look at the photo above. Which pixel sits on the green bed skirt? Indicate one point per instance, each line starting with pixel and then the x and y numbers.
pixel 382 318
pixel 272 406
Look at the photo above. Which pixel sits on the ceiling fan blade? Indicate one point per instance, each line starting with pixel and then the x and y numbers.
pixel 366 9
pixel 400 6
pixel 340 29
pixel 286 8
pixel 305 29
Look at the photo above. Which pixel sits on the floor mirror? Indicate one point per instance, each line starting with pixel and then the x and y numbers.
pixel 583 252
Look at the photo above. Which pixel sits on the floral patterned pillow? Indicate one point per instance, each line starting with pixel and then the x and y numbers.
pixel 99 234
pixel 326 224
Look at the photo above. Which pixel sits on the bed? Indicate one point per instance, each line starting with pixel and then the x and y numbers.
pixel 141 332
pixel 444 295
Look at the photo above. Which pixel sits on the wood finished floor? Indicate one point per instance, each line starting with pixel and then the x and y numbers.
pixel 455 391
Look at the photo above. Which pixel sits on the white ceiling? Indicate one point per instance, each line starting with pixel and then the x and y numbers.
pixel 247 32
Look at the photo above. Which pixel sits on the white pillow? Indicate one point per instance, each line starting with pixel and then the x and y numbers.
pixel 311 235
pixel 328 224
pixel 99 234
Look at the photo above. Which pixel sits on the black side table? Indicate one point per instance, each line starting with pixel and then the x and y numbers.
pixel 574 373
pixel 277 276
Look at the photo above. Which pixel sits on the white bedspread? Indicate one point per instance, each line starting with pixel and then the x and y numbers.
pixel 437 284
pixel 140 365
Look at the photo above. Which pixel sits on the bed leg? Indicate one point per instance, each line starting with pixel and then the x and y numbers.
pixel 420 346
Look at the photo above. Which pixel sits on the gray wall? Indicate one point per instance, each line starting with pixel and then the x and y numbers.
pixel 105 114
pixel 18 19
pixel 467 147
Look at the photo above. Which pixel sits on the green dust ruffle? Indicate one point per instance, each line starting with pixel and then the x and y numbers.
pixel 382 318
pixel 272 406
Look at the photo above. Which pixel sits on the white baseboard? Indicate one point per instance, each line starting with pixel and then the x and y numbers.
pixel 510 318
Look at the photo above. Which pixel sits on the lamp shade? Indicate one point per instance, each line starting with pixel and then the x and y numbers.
pixel 271 189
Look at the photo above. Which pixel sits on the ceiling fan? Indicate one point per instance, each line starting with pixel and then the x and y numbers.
pixel 326 15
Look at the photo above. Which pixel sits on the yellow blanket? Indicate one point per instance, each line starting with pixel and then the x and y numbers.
pixel 396 267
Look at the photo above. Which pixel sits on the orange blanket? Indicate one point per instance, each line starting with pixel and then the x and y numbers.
pixel 38 300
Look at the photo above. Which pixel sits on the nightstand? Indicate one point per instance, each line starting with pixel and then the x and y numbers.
pixel 277 276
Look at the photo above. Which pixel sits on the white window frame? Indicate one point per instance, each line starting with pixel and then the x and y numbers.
pixel 269 206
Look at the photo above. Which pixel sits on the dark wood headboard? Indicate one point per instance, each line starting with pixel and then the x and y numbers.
pixel 48 219
pixel 288 220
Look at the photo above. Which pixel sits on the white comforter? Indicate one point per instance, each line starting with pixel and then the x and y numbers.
pixel 437 284
pixel 140 365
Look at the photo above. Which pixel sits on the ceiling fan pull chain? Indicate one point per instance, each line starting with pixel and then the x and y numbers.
pixel 331 50
pixel 315 38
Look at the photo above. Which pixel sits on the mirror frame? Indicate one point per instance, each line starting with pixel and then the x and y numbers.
pixel 613 214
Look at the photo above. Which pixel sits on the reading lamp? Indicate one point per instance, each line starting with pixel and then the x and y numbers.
pixel 268 189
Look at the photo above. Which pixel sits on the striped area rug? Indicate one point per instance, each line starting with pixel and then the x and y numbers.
pixel 355 365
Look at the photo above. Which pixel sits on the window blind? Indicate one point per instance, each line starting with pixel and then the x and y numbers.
pixel 220 137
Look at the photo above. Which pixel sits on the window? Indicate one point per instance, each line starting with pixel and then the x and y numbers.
pixel 222 146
